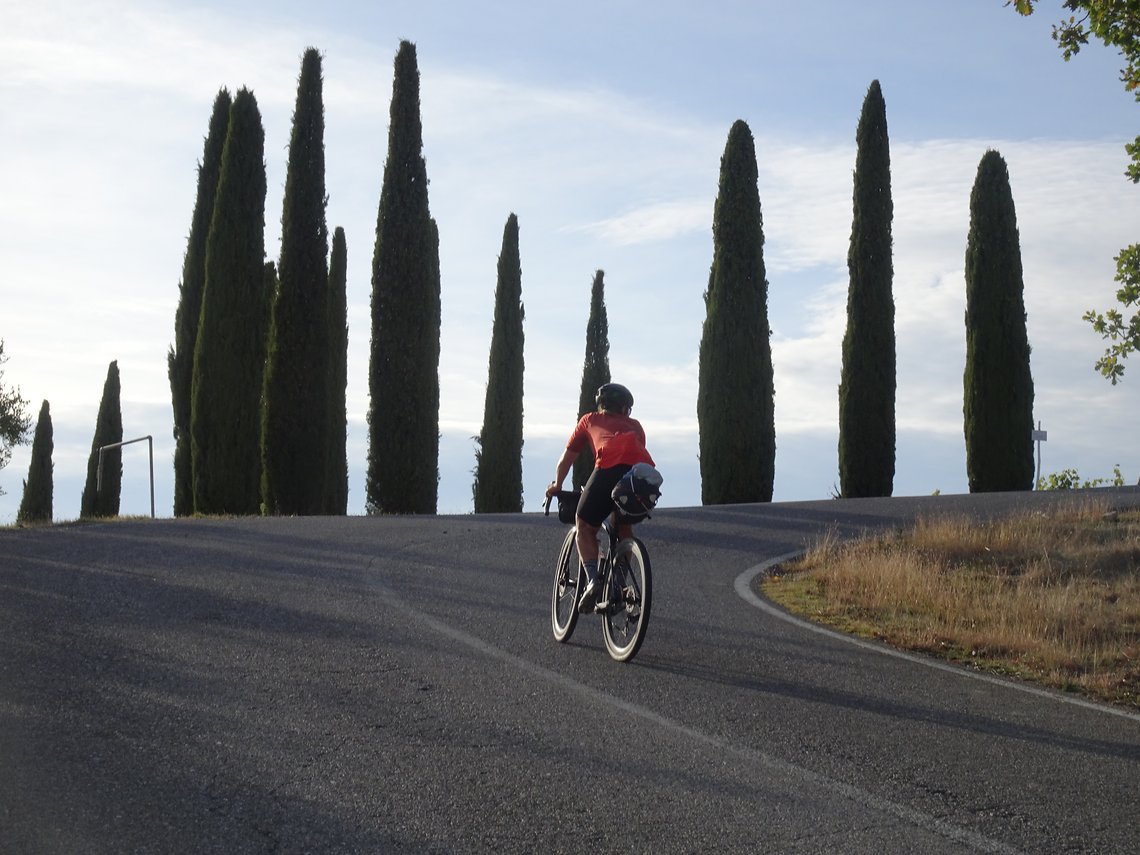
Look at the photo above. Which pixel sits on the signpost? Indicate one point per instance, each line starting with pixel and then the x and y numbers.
pixel 1039 436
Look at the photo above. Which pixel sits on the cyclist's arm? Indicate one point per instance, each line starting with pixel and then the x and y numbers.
pixel 561 470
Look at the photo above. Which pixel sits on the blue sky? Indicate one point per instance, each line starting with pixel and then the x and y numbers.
pixel 601 126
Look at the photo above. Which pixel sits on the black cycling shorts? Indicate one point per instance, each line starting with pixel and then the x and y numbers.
pixel 597 500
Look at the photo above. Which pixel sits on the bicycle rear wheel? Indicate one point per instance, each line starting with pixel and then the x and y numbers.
pixel 567 584
pixel 628 593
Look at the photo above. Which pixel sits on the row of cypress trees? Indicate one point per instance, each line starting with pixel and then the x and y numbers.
pixel 103 487
pixel 269 342
pixel 736 393
pixel 997 382
pixel 258 367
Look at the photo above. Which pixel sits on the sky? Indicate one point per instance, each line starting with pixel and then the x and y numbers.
pixel 601 126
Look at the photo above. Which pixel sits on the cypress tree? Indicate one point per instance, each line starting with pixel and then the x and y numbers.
pixel 735 398
pixel 36 504
pixel 229 355
pixel 403 370
pixel 336 482
pixel 271 287
pixel 595 369
pixel 180 358
pixel 998 405
pixel 102 499
pixel 498 484
pixel 294 415
pixel 867 386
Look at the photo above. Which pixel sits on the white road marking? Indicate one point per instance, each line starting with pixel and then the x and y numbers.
pixel 744 588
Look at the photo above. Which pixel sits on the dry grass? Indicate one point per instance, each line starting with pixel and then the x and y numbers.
pixel 1051 598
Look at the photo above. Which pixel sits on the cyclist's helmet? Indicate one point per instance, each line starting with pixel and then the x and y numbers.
pixel 614 396
pixel 638 491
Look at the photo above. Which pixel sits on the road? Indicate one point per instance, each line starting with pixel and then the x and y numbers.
pixel 391 685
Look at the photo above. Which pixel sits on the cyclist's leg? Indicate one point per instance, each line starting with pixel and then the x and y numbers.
pixel 594 506
pixel 587 541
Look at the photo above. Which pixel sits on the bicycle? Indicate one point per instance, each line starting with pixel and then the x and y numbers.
pixel 626 583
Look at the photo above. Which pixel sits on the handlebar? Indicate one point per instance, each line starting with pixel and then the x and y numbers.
pixel 549 499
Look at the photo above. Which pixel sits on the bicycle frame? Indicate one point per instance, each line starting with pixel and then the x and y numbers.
pixel 625 594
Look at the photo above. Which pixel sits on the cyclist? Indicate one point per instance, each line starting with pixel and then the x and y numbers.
pixel 618 442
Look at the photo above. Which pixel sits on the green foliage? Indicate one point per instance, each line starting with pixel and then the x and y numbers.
pixel 336 479
pixel 36 503
pixel 736 396
pixel 403 370
pixel 180 359
pixel 595 369
pixel 998 385
pixel 1117 24
pixel 295 422
pixel 14 419
pixel 498 484
pixel 1124 333
pixel 867 386
pixel 101 495
pixel 1070 479
pixel 229 354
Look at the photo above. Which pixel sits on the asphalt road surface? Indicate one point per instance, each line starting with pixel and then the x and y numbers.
pixel 392 685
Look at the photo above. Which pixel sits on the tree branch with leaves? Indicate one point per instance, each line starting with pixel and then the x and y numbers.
pixel 1117 24
pixel 14 419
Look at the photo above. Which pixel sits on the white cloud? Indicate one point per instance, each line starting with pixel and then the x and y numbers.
pixel 654 222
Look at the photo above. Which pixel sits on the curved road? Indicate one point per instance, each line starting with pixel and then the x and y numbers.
pixel 391 685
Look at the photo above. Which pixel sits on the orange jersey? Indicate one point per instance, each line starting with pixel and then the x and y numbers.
pixel 616 440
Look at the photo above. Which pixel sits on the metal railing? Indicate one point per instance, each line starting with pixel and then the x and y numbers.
pixel 99 471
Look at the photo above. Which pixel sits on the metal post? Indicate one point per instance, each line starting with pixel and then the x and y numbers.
pixel 150 449
pixel 99 470
pixel 1039 436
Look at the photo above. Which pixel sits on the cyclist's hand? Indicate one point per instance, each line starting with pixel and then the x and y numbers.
pixel 551 489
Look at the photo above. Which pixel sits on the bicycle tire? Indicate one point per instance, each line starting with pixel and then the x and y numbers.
pixel 628 593
pixel 567 584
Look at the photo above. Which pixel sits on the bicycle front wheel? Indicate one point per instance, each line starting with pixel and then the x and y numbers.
pixel 567 584
pixel 628 594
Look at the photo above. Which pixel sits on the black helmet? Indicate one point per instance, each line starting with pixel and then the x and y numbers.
pixel 614 396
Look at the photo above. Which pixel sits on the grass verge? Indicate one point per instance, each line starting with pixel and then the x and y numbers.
pixel 1052 598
